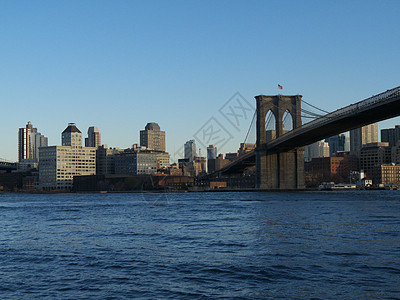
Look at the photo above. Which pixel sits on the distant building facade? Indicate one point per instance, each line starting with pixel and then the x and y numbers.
pixel 59 164
pixel 316 150
pixel 29 142
pixel 246 148
pixel 105 160
pixel 201 164
pixel 152 137
pixel 388 174
pixel 190 150
pixel 340 142
pixel 217 164
pixel 163 161
pixel 324 169
pixel 132 162
pixel 396 153
pixel 231 156
pixel 391 135
pixel 94 137
pixel 211 154
pixel 193 168
pixel 373 155
pixel 362 136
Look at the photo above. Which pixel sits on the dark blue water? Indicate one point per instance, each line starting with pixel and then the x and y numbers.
pixel 204 245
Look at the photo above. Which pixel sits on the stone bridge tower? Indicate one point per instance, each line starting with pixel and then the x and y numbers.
pixel 281 169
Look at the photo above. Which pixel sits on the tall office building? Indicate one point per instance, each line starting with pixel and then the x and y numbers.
pixel 211 156
pixel 190 150
pixel 340 142
pixel 211 152
pixel 362 136
pixel 94 137
pixel 59 164
pixel 152 137
pixel 29 142
pixel 391 135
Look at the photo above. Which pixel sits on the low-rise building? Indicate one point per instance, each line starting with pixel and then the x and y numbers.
pixel 136 162
pixel 105 160
pixel 217 164
pixel 174 170
pixel 388 174
pixel 162 160
pixel 326 169
pixel 193 168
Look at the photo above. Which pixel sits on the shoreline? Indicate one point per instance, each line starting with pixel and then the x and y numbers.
pixel 191 191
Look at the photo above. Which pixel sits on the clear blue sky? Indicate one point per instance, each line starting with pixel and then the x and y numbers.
pixel 121 64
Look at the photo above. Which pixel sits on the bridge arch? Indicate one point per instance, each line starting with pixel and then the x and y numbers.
pixel 270 126
pixel 287 121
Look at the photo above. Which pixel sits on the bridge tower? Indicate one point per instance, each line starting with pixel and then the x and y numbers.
pixel 280 169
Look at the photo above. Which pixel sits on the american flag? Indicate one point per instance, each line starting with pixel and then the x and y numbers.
pixel 280 87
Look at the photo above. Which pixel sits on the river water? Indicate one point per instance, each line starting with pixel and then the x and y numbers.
pixel 321 245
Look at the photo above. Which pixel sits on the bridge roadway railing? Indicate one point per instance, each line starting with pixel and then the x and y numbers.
pixel 341 112
pixel 5 162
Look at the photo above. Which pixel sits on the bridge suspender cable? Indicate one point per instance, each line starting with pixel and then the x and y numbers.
pixel 327 112
pixel 251 124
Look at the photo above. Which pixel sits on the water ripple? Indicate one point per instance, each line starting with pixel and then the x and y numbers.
pixel 312 245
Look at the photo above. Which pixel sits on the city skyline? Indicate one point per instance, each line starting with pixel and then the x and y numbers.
pixel 102 64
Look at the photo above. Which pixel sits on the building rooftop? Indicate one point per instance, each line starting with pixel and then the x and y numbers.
pixel 152 126
pixel 71 128
pixel 93 129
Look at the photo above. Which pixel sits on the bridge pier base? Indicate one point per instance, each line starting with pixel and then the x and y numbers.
pixel 283 170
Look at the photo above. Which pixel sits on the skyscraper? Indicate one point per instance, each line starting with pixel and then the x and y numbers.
pixel 29 142
pixel 152 137
pixel 362 136
pixel 190 150
pixel 94 137
pixel 391 135
pixel 340 142
pixel 211 156
pixel 211 152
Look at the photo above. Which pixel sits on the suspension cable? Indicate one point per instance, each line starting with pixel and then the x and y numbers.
pixel 327 112
pixel 251 124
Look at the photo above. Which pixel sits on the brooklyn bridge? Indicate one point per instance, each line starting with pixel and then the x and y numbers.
pixel 280 162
